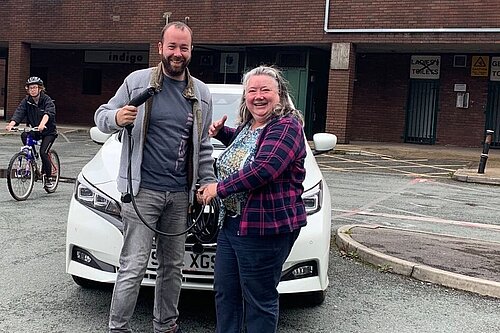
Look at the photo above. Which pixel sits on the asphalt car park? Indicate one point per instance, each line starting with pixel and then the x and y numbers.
pixel 38 296
pixel 367 162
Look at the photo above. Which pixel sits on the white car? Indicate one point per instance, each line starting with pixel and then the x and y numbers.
pixel 94 229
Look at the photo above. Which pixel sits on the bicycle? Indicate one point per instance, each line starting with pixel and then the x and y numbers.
pixel 23 170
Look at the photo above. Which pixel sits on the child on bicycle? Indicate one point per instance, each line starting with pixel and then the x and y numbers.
pixel 39 111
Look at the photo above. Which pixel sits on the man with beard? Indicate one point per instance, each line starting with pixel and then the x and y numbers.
pixel 171 153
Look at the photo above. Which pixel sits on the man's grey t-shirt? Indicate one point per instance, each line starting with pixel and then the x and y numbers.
pixel 166 145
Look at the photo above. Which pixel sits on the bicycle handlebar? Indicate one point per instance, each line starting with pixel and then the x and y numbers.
pixel 24 129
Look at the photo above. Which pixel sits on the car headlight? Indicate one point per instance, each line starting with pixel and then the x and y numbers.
pixel 90 196
pixel 312 198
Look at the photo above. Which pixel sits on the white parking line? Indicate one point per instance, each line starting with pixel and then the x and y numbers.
pixel 64 136
pixel 437 170
pixel 418 218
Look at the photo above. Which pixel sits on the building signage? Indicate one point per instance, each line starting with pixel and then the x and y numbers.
pixel 479 66
pixel 117 57
pixel 340 56
pixel 425 67
pixel 495 69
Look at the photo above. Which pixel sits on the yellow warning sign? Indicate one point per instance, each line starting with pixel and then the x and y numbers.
pixel 480 65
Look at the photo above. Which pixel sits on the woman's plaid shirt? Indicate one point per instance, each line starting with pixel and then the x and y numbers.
pixel 273 180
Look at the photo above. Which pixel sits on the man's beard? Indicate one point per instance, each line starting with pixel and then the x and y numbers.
pixel 177 71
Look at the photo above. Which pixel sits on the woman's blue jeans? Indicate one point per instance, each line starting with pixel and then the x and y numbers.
pixel 247 272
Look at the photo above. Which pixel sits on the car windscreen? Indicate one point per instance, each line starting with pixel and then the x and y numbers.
pixel 225 104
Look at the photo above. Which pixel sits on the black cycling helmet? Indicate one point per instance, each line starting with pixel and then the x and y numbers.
pixel 34 80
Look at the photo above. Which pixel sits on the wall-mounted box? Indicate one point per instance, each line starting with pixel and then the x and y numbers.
pixel 462 87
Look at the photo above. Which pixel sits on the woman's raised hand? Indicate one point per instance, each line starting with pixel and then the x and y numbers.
pixel 216 126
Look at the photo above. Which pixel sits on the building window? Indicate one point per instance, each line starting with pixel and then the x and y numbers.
pixel 92 81
pixel 291 59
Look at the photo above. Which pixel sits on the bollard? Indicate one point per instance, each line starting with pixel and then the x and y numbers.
pixel 486 148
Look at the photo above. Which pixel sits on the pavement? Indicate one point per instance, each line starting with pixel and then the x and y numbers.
pixel 461 263
pixel 468 264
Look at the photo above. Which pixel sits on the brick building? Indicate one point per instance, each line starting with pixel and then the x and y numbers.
pixel 399 71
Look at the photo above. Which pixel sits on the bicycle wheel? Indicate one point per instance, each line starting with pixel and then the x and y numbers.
pixel 20 176
pixel 56 172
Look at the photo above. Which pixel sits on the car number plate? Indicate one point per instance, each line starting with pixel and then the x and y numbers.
pixel 194 262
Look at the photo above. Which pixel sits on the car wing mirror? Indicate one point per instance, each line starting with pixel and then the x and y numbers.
pixel 97 136
pixel 324 142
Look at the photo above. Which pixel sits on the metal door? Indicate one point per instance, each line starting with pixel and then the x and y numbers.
pixel 297 77
pixel 421 112
pixel 493 112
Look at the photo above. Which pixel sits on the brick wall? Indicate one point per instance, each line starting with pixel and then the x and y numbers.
pixel 340 100
pixel 244 22
pixel 377 98
pixel 381 92
pixel 18 71
pixel 100 21
pixel 381 88
pixel 415 14
pixel 456 126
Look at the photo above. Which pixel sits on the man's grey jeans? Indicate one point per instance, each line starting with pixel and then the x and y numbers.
pixel 167 212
